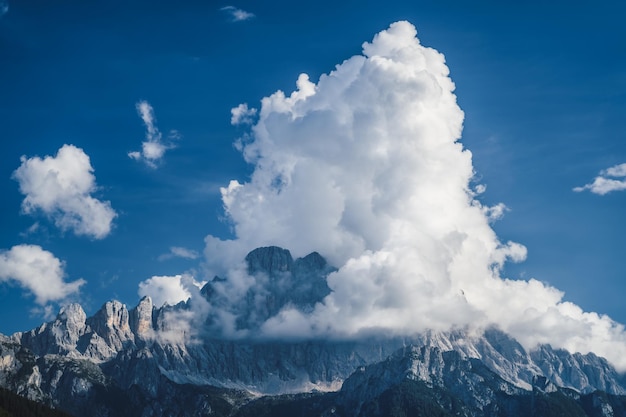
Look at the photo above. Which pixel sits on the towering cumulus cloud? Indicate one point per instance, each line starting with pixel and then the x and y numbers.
pixel 365 167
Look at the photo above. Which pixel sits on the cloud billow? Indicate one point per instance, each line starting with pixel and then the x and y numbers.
pixel 365 167
pixel 39 271
pixel 242 115
pixel 61 187
pixel 164 289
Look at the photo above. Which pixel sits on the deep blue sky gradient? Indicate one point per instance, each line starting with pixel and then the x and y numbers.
pixel 543 88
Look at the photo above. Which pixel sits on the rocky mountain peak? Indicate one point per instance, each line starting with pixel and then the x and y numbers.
pixel 111 323
pixel 313 261
pixel 59 336
pixel 270 259
pixel 140 320
pixel 543 384
pixel 112 315
pixel 584 373
pixel 279 282
pixel 72 317
pixel 468 378
pixel 147 347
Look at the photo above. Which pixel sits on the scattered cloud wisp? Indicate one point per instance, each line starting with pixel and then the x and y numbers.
pixel 242 115
pixel 237 15
pixel 154 147
pixel 61 186
pixel 179 252
pixel 611 179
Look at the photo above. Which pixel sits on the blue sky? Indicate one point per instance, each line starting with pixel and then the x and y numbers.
pixel 543 89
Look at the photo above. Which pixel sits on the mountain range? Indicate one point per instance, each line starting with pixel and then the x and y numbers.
pixel 141 362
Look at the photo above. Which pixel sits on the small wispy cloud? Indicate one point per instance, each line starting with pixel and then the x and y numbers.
pixel 179 252
pixel 610 179
pixel 34 228
pixel 494 213
pixel 242 115
pixel 154 147
pixel 237 15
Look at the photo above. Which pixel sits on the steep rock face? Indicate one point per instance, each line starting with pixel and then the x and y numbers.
pixel 71 334
pixel 279 367
pixel 84 388
pixel 300 283
pixel 271 260
pixel 497 350
pixel 468 379
pixel 585 373
pixel 279 281
pixel 310 284
pixel 61 336
pixel 111 323
pixel 140 319
pixel 426 381
pixel 266 368
pixel 17 369
pixel 447 383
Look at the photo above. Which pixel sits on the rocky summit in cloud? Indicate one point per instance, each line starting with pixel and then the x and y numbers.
pixel 365 166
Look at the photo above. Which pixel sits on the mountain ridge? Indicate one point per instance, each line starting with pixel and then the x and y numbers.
pixel 141 350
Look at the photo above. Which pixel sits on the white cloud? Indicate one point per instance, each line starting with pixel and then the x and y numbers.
pixel 169 289
pixel 39 271
pixel 495 212
pixel 61 187
pixel 154 147
pixel 236 14
pixel 178 326
pixel 179 252
pixel 480 189
pixel 242 115
pixel 616 171
pixel 603 184
pixel 164 289
pixel 365 167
